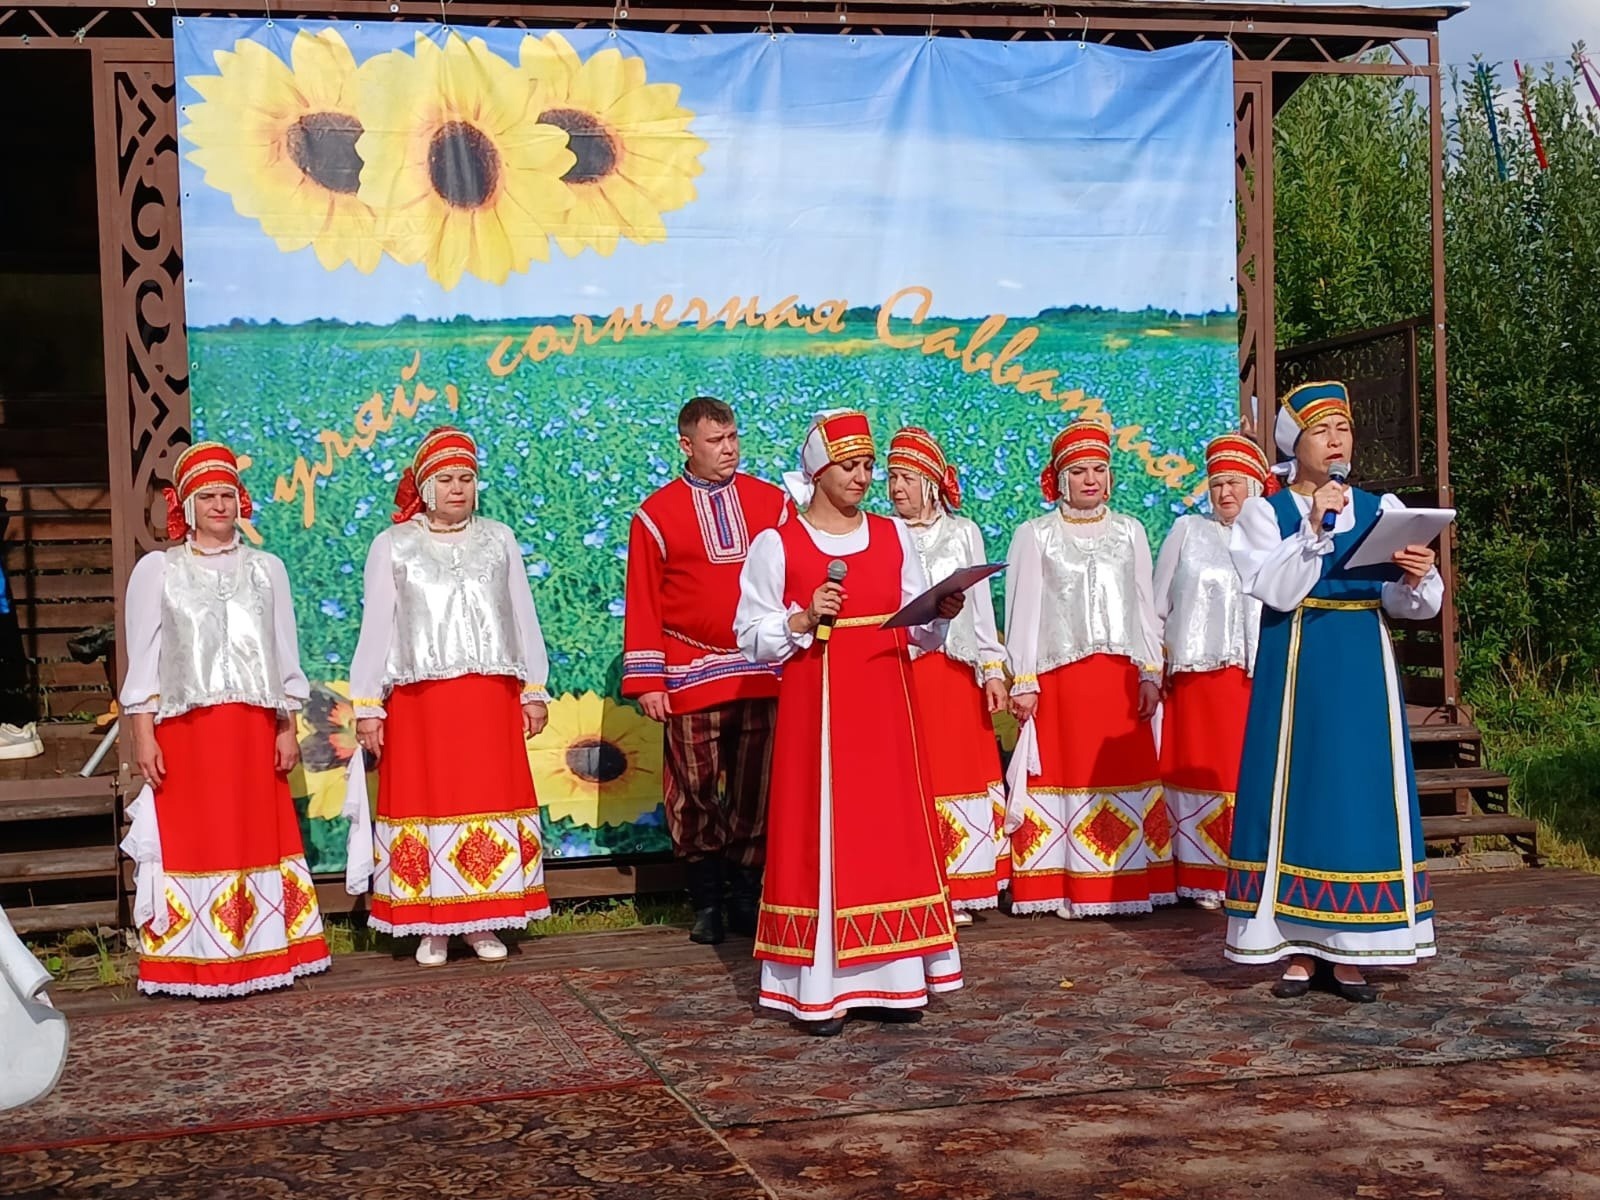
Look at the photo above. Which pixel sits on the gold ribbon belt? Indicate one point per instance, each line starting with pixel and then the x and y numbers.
pixel 857 622
pixel 689 641
pixel 1340 605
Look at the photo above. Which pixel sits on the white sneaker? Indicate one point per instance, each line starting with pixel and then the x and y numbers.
pixel 20 741
pixel 485 945
pixel 1065 912
pixel 962 918
pixel 1209 903
pixel 433 951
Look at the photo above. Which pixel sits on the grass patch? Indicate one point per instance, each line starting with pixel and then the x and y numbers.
pixel 1548 743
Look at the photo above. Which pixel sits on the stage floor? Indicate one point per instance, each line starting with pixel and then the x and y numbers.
pixel 1119 1058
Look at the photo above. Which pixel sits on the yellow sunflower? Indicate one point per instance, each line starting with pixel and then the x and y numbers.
pixel 597 762
pixel 326 727
pixel 463 177
pixel 633 155
pixel 280 140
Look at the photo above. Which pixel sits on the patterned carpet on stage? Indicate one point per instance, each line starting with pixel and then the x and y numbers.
pixel 613 1144
pixel 304 1055
pixel 1107 1006
pixel 1528 1129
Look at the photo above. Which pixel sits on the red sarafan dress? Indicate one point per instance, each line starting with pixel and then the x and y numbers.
pixel 1209 632
pixel 955 726
pixel 855 911
pixel 450 648
pixel 1090 830
pixel 224 900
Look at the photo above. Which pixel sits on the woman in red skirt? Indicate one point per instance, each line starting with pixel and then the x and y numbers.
pixel 959 687
pixel 1090 833
pixel 223 899
pixel 1209 631
pixel 448 682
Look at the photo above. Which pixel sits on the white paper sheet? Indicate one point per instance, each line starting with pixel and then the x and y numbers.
pixel 1398 528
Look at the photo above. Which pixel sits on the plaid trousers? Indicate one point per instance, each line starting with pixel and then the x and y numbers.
pixel 718 762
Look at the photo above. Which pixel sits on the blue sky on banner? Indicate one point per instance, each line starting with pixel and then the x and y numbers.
pixel 1006 177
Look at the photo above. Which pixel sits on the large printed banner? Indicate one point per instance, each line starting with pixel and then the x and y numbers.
pixel 555 239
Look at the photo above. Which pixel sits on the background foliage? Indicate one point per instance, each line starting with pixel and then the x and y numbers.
pixel 1523 315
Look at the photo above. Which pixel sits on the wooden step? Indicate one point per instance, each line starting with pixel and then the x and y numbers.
pixel 1445 733
pixel 56 918
pixel 1442 780
pixel 78 862
pixel 81 801
pixel 1468 825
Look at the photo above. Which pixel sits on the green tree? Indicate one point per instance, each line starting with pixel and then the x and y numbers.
pixel 1523 308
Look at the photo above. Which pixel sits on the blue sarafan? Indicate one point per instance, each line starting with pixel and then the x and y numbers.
pixel 1328 857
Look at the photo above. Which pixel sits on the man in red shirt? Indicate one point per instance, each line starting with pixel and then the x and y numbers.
pixel 680 661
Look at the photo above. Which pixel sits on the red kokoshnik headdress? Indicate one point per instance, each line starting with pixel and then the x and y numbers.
pixel 1084 440
pixel 202 465
pixel 444 449
pixel 917 450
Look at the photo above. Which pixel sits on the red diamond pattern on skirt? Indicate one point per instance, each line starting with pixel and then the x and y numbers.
pixel 1158 827
pixel 1028 835
pixel 178 918
pixel 410 865
pixel 479 855
pixel 1105 831
pixel 1217 829
pixel 233 912
pixel 297 901
pixel 532 850
pixel 952 836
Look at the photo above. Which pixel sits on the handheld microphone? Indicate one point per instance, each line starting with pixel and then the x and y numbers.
pixel 1338 472
pixel 836 570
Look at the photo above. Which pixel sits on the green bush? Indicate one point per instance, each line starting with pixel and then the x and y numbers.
pixel 1523 313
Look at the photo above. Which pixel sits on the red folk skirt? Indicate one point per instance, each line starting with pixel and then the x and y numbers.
pixel 889 898
pixel 242 913
pixel 1095 837
pixel 964 763
pixel 457 832
pixel 1202 739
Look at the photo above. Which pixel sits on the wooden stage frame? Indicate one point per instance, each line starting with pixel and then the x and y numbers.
pixel 129 49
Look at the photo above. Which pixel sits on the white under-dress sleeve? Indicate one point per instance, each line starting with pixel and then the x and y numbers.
pixel 377 630
pixel 1407 603
pixel 527 618
pixel 1279 571
pixel 1024 590
pixel 991 654
pixel 296 688
pixel 1166 571
pixel 1151 654
pixel 761 621
pixel 141 687
pixel 913 582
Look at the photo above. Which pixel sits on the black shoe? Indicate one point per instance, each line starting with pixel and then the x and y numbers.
pixel 708 929
pixel 1291 989
pixel 832 1027
pixel 888 1016
pixel 744 899
pixel 704 877
pixel 1356 993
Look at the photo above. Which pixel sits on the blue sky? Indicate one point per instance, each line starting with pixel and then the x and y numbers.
pixel 1006 177
pixel 1536 31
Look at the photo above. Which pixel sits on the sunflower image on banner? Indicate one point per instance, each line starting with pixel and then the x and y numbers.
pixel 553 238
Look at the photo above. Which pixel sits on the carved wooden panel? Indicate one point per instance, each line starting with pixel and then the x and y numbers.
pixel 1380 369
pixel 1253 181
pixel 141 279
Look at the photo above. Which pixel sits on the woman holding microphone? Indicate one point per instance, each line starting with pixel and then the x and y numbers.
pixel 1328 864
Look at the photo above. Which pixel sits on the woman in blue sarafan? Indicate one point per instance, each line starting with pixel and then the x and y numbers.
pixel 1328 861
